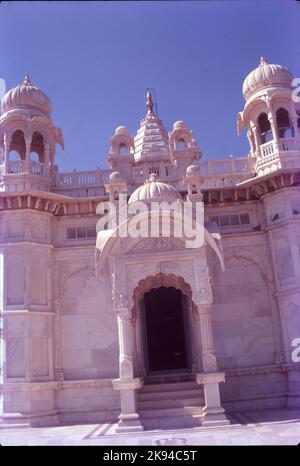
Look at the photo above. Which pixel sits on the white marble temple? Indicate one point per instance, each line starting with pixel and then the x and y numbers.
pixel 103 328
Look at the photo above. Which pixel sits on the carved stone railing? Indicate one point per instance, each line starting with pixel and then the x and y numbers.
pixel 284 145
pixel 216 173
pixel 15 167
pixel 77 179
pixel 232 165
pixel 287 144
pixel 267 149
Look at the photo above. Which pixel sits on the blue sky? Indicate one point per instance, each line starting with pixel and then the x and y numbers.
pixel 96 59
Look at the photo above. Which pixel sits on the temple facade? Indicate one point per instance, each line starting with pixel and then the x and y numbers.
pixel 147 331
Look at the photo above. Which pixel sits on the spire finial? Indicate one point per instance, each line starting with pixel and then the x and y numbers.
pixel 149 103
pixel 263 61
pixel 27 81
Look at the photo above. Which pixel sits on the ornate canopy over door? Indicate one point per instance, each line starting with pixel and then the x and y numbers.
pixel 138 265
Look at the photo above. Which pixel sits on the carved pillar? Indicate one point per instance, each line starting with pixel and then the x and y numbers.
pixel 274 132
pixel 210 378
pixel 209 361
pixel 7 141
pixel 256 139
pixel 27 163
pixel 46 169
pixel 139 350
pixel 125 344
pixel 251 140
pixel 127 385
pixel 294 123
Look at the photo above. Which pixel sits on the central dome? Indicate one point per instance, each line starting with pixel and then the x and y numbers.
pixel 154 190
pixel 266 75
pixel 26 95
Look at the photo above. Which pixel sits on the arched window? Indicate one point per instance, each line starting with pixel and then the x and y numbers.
pixel 181 145
pixel 283 124
pixel 18 144
pixel 36 167
pixel 264 128
pixel 14 156
pixel 37 146
pixel 123 149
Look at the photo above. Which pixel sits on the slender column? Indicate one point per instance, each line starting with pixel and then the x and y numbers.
pixel 251 141
pixel 294 122
pixel 129 418
pixel 209 361
pixel 27 162
pixel 125 345
pixel 46 168
pixel 274 132
pixel 6 153
pixel 213 412
pixel 140 357
pixel 257 141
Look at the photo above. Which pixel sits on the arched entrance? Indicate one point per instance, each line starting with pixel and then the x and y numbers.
pixel 165 328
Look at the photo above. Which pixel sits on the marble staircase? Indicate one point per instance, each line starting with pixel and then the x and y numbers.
pixel 168 404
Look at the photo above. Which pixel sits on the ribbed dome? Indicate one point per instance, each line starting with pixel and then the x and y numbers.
pixel 266 75
pixel 121 130
pixel 26 95
pixel 154 190
pixel 179 124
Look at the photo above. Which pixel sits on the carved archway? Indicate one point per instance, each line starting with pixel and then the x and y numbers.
pixel 156 281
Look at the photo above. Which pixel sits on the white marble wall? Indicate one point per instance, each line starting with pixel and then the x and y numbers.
pixel 62 328
pixel 89 335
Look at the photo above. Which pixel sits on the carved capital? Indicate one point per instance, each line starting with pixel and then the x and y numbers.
pixel 120 301
pixel 200 297
pixel 209 361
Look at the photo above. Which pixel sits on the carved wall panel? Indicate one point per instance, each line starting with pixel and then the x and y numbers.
pixel 16 280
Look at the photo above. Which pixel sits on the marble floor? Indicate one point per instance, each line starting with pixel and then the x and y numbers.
pixel 268 427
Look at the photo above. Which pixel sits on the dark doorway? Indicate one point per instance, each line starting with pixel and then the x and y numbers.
pixel 165 329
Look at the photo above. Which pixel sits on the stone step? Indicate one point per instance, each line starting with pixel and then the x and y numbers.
pixel 168 387
pixel 184 420
pixel 180 377
pixel 169 403
pixel 172 394
pixel 12 425
pixel 170 412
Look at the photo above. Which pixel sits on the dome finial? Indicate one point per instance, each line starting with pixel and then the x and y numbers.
pixel 263 61
pixel 27 81
pixel 149 103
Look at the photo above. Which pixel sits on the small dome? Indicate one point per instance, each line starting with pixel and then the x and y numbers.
pixel 26 95
pixel 121 130
pixel 154 190
pixel 266 75
pixel 179 124
pixel 193 170
pixel 115 177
